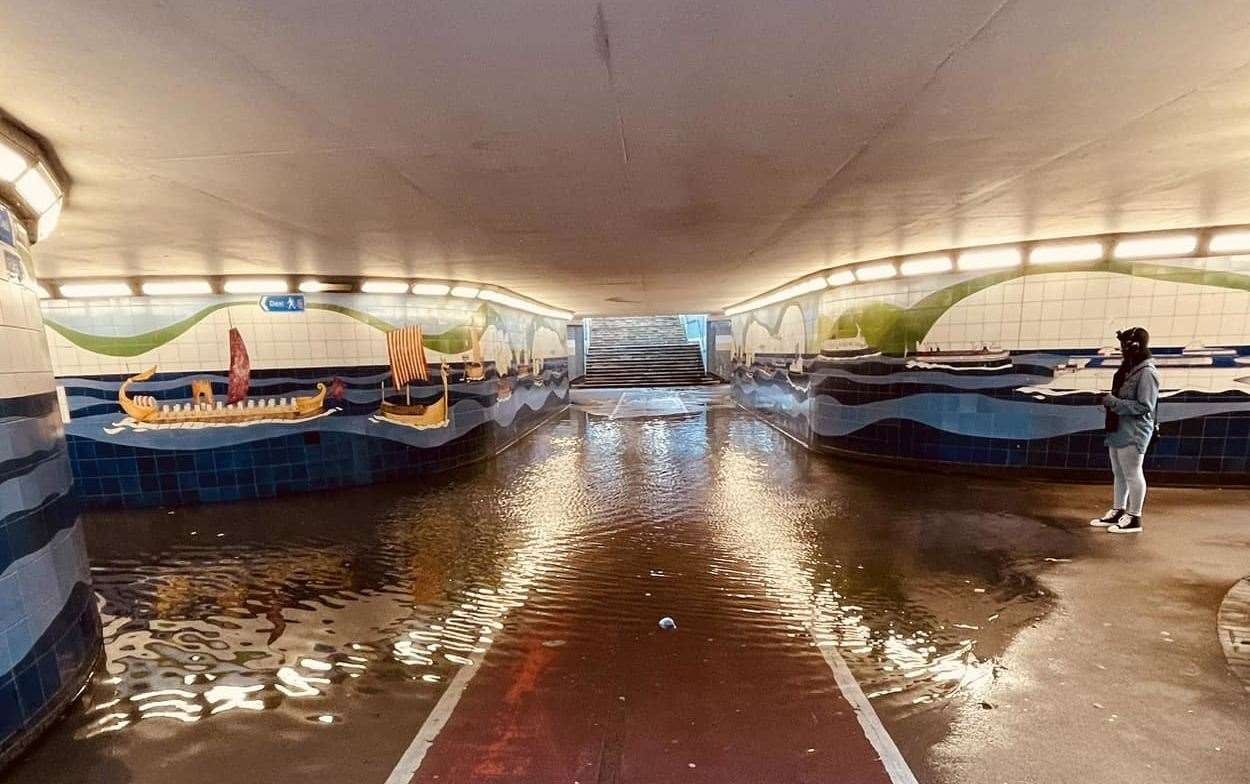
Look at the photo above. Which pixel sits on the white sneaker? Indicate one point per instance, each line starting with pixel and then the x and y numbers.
pixel 1109 519
pixel 1129 524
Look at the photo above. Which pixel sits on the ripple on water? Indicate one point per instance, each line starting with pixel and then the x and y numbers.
pixel 206 616
pixel 221 611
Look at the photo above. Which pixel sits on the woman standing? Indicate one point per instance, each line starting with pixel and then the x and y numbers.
pixel 1130 425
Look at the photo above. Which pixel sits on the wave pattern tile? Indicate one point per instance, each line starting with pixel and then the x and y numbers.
pixel 49 626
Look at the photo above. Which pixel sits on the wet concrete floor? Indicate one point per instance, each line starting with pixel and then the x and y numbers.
pixel 997 636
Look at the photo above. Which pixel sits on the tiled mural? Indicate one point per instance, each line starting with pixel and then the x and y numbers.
pixel 49 628
pixel 1006 369
pixel 179 400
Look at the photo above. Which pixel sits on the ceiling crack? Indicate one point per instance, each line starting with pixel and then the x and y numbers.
pixel 603 47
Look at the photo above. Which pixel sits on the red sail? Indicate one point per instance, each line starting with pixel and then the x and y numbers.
pixel 338 389
pixel 240 368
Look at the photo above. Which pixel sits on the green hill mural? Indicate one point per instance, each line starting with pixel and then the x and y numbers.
pixel 455 340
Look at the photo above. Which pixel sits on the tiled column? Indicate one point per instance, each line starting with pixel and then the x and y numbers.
pixel 49 626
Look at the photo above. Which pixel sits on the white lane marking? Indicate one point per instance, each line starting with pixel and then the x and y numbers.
pixel 414 755
pixel 408 764
pixel 619 400
pixel 681 403
pixel 649 405
pixel 891 759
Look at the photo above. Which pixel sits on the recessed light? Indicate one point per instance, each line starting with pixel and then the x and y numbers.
pixel 879 271
pixel 989 258
pixel 1232 241
pixel 1063 252
pixel 1156 245
pixel 431 289
pixel 926 265
pixel 384 287
pixel 37 189
pixel 256 286
pixel 159 288
pixel 102 288
pixel 840 277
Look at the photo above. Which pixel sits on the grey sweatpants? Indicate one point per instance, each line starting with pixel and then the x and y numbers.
pixel 1130 480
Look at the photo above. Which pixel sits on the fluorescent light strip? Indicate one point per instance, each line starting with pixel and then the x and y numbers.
pixel 12 163
pixel 431 289
pixel 925 265
pixel 384 287
pixel 789 292
pixel 104 288
pixel 321 287
pixel 256 286
pixel 880 271
pixel 48 221
pixel 840 277
pixel 177 286
pixel 989 258
pixel 500 298
pixel 37 189
pixel 1065 252
pixel 162 288
pixel 1155 246
pixel 1233 241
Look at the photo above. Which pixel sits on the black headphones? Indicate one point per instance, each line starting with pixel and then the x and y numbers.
pixel 1131 338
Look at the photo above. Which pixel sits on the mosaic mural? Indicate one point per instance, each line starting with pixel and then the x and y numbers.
pixel 183 400
pixel 1007 369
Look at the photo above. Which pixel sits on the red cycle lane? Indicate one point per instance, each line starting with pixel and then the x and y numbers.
pixel 732 695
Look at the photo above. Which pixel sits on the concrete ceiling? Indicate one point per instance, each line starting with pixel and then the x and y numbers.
pixel 631 156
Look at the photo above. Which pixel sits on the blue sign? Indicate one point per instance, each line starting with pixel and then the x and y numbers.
pixel 6 226
pixel 282 303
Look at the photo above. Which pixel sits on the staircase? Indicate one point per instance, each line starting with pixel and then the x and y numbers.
pixel 647 351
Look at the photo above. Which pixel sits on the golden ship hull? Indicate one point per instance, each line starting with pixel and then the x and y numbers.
pixel 145 408
pixel 418 415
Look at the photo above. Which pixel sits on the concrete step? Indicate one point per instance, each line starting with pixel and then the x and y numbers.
pixel 646 361
pixel 636 330
pixel 654 383
pixel 626 374
pixel 654 365
pixel 684 348
pixel 641 351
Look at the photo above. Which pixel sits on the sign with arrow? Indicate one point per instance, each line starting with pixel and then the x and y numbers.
pixel 282 303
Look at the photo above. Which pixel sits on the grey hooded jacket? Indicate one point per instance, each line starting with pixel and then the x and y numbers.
pixel 1137 404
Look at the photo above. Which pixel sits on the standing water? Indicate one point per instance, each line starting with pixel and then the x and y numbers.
pixel 311 636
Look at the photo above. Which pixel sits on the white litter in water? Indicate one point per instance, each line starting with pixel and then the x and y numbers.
pixel 668 623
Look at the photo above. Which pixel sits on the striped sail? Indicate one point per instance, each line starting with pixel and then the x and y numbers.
pixel 407 353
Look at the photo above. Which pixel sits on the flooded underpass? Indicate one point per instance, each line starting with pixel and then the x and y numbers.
pixel 502 623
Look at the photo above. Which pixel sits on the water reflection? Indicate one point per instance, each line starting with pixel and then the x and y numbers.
pixel 851 562
pixel 298 606
pixel 201 623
